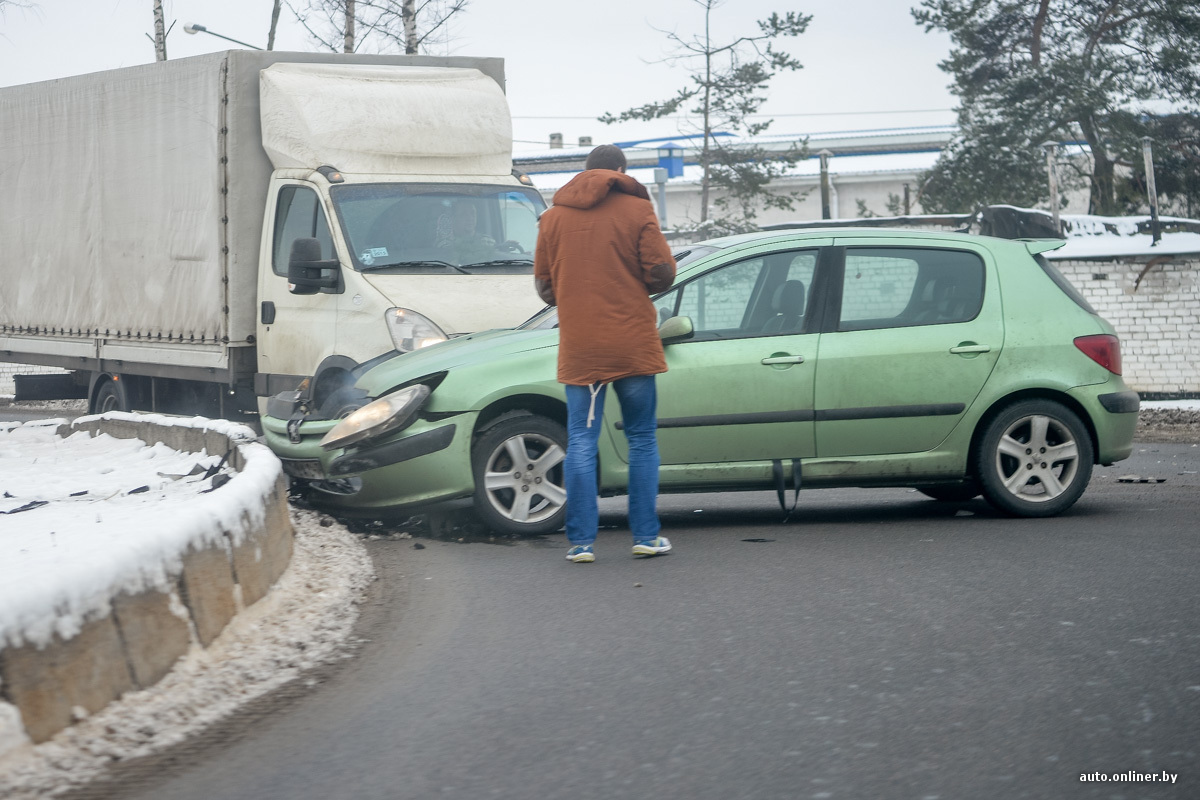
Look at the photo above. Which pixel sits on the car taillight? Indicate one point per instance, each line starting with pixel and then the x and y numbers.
pixel 1104 349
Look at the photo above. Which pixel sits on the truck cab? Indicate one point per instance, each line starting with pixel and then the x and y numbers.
pixel 417 229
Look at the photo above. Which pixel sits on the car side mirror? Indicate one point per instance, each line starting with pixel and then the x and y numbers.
pixel 676 329
pixel 305 268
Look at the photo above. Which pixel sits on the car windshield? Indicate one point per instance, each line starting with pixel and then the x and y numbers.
pixel 435 228
pixel 548 316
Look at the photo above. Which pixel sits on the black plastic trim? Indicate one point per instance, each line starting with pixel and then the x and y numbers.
pixel 406 449
pixel 891 412
pixel 807 415
pixel 1121 402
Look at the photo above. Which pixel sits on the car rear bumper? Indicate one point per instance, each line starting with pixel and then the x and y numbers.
pixel 1114 419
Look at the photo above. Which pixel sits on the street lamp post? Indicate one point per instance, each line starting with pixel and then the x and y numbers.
pixel 193 27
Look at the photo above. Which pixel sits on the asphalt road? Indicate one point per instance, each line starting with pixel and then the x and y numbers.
pixel 879 645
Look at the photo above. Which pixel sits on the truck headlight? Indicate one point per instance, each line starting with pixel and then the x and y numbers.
pixel 411 331
pixel 389 413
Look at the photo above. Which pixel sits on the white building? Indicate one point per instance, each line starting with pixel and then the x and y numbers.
pixel 871 167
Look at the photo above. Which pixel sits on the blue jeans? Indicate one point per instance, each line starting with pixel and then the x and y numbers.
pixel 639 402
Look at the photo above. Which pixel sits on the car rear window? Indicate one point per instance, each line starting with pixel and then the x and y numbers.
pixel 1061 282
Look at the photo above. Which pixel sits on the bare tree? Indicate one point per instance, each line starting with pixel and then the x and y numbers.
pixel 160 33
pixel 274 24
pixel 381 25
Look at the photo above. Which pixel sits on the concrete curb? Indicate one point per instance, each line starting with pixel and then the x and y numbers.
pixel 138 643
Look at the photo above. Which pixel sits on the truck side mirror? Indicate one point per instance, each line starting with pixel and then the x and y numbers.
pixel 305 267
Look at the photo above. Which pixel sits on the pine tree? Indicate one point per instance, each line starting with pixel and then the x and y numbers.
pixel 1028 71
pixel 728 83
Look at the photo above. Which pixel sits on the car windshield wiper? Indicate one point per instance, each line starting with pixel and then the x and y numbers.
pixel 503 262
pixel 444 264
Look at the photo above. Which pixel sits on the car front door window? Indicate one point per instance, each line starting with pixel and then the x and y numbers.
pixel 739 391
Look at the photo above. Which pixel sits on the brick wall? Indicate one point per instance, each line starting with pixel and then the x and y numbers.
pixel 1158 320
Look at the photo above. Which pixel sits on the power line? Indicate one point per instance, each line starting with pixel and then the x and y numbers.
pixel 799 114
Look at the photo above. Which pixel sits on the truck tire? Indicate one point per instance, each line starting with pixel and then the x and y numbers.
pixel 111 396
pixel 342 403
pixel 1035 459
pixel 518 468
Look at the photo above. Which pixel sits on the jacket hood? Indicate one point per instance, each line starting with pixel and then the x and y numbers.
pixel 591 186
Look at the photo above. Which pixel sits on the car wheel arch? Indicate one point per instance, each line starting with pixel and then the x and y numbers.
pixel 998 406
pixel 513 405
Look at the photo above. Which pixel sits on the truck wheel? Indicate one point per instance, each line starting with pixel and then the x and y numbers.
pixel 110 396
pixel 341 403
pixel 1035 459
pixel 518 469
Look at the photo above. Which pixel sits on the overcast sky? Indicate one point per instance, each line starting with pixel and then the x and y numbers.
pixel 867 65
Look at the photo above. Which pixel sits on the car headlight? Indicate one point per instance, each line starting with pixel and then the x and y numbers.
pixel 411 331
pixel 389 413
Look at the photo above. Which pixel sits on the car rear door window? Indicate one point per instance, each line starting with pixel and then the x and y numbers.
pixel 901 287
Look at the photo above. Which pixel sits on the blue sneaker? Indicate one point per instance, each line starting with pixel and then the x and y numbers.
pixel 654 547
pixel 581 554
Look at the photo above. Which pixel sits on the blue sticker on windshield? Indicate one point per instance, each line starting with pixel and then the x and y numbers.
pixel 370 254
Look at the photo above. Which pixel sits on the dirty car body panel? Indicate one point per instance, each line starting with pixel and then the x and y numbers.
pixel 960 365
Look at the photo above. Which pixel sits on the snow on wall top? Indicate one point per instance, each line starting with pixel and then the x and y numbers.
pixel 77 527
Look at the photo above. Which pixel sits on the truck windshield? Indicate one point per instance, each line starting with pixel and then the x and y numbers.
pixel 452 228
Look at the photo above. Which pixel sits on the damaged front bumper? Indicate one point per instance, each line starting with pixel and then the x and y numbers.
pixel 428 461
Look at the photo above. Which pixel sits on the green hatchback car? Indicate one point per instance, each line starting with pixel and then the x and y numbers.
pixel 959 365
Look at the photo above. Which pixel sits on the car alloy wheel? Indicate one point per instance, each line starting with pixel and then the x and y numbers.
pixel 518 468
pixel 1035 459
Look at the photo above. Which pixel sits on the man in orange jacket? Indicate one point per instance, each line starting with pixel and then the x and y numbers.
pixel 600 255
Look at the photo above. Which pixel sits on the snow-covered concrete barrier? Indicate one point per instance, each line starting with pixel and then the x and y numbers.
pixel 103 589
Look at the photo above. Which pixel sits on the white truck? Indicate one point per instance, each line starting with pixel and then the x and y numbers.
pixel 198 235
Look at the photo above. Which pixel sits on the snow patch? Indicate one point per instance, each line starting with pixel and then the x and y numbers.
pixel 84 518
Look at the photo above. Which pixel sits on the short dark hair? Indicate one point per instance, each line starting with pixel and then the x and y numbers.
pixel 606 156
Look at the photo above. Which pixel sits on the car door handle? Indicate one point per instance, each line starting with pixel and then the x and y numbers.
pixel 972 348
pixel 783 360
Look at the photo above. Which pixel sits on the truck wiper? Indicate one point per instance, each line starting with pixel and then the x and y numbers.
pixel 445 264
pixel 503 262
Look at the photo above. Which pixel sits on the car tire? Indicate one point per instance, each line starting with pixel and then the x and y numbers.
pixel 1035 459
pixel 511 497
pixel 952 493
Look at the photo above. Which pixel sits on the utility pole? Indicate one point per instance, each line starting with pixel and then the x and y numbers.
pixel 1151 190
pixel 825 154
pixel 1051 148
pixel 160 33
